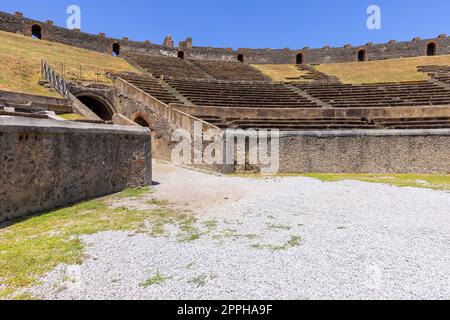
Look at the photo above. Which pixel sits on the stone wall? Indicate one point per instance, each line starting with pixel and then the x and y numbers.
pixel 293 113
pixel 393 151
pixel 372 151
pixel 46 163
pixel 34 103
pixel 348 53
pixel 159 117
pixel 161 129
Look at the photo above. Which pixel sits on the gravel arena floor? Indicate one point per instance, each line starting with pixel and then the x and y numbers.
pixel 272 238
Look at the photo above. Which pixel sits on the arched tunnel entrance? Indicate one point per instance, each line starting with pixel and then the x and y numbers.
pixel 96 105
pixel 142 122
pixel 36 31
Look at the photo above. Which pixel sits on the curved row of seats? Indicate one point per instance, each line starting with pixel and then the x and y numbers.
pixel 150 85
pixel 445 78
pixel 416 93
pixel 413 123
pixel 239 94
pixel 434 69
pixel 207 92
pixel 167 66
pixel 439 73
pixel 230 70
pixel 309 124
pixel 159 65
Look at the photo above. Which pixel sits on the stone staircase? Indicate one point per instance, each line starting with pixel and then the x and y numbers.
pixel 313 76
pixel 200 69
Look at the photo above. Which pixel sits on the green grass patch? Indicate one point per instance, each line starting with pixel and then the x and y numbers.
pixel 189 266
pixel 157 279
pixel 436 182
pixel 293 242
pixel 157 202
pixel 273 226
pixel 210 224
pixel 188 229
pixel 33 247
pixel 428 181
pixel 135 193
pixel 202 280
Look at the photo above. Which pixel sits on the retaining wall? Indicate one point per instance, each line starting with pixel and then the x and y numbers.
pixel 366 151
pixel 293 113
pixel 47 163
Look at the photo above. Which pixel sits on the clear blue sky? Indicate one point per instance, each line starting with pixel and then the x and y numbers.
pixel 248 23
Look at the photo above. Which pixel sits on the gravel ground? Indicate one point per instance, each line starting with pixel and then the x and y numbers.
pixel 278 238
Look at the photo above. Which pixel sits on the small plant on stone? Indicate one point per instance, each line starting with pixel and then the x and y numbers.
pixel 273 226
pixel 157 279
pixel 202 279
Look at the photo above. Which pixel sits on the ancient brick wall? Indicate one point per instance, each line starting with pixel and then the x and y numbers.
pixel 102 43
pixel 50 32
pixel 46 163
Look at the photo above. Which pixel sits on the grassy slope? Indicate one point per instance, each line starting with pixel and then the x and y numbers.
pixel 367 72
pixel 279 72
pixel 382 71
pixel 21 56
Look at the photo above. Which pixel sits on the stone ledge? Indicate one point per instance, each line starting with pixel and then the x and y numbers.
pixel 374 133
pixel 22 124
pixel 358 133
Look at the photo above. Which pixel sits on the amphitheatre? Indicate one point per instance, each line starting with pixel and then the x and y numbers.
pixel 93 207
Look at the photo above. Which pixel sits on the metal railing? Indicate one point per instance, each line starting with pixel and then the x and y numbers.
pixel 58 82
pixel 78 72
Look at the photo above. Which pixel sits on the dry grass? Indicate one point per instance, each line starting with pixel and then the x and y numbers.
pixel 392 70
pixel 72 116
pixel 279 72
pixel 21 56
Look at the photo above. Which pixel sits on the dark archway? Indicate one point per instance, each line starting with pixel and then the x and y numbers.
pixel 181 54
pixel 431 49
pixel 299 58
pixel 97 106
pixel 240 57
pixel 116 49
pixel 36 31
pixel 362 55
pixel 142 122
